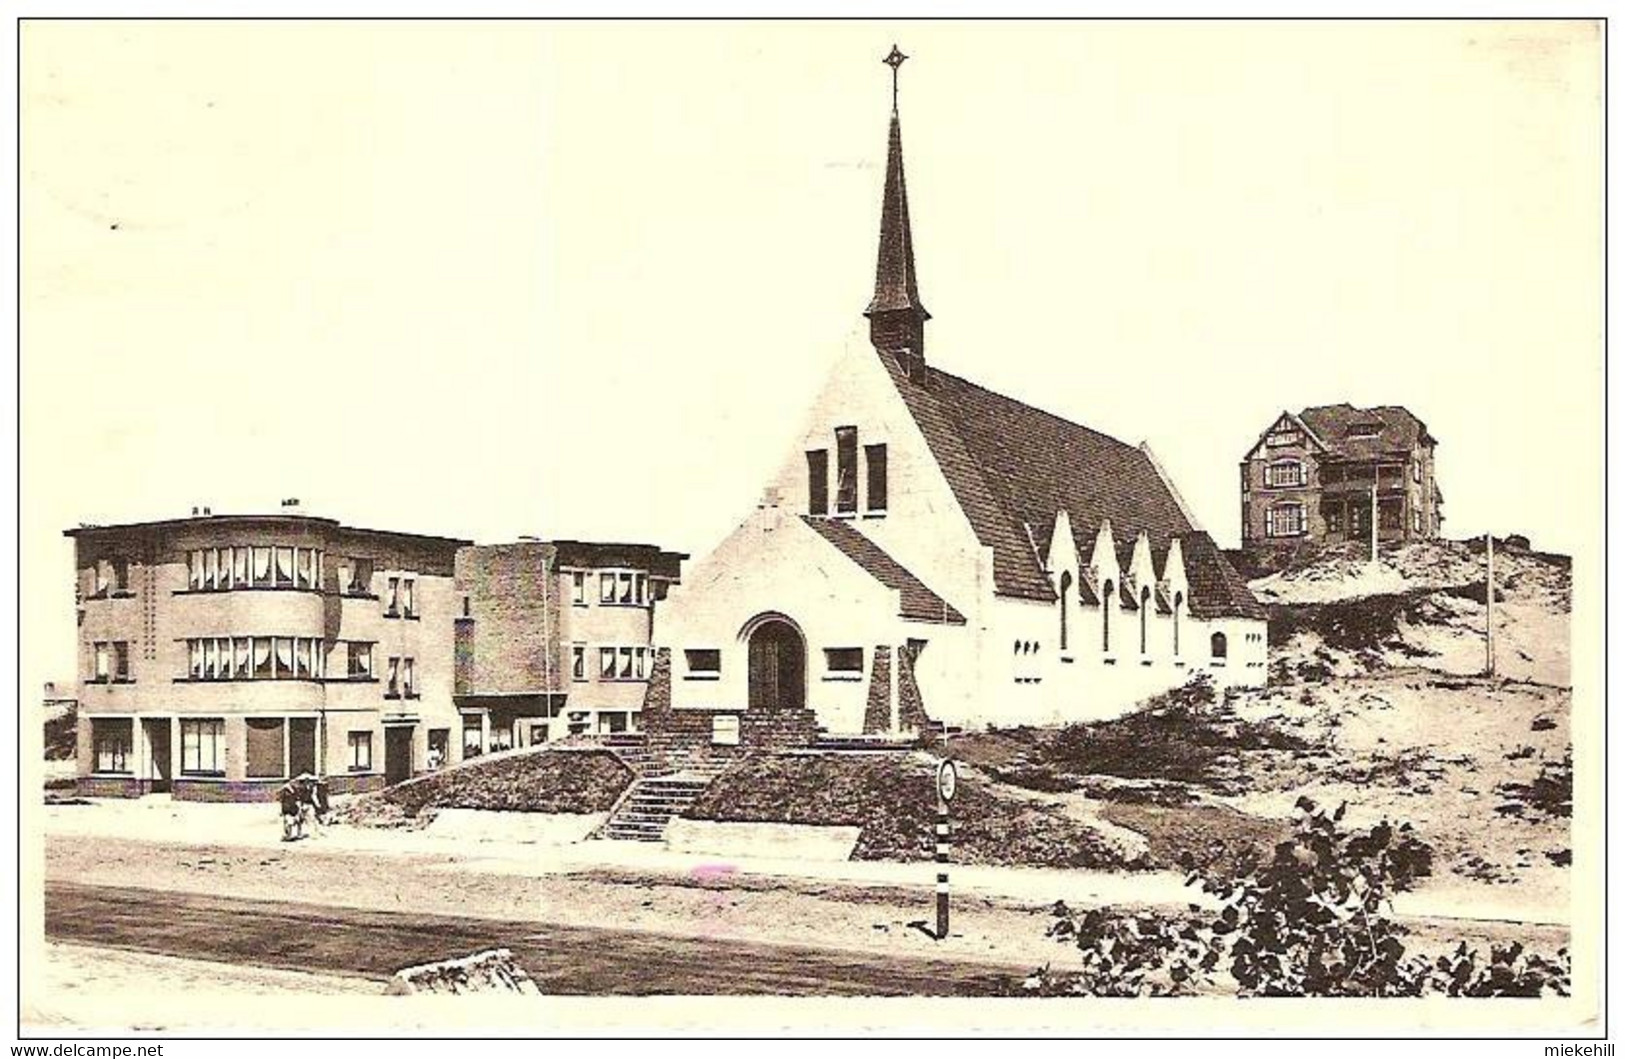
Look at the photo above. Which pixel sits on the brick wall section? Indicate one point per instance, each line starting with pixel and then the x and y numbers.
pixel 513 596
pixel 226 791
pixel 910 705
pixel 877 712
pixel 668 730
pixel 108 787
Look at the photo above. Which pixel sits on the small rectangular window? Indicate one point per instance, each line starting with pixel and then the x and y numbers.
pixel 624 580
pixel 578 587
pixel 578 662
pixel 121 660
pixel 360 660
pixel 874 459
pixel 846 469
pixel 818 482
pixel 409 686
pixel 606 663
pixel 844 660
pixel 392 687
pixel 104 662
pixel 360 751
pixel 625 654
pixel 121 573
pixel 392 608
pixel 703 661
pixel 606 588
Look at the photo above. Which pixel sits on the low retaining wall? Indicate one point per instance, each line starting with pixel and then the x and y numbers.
pixel 109 787
pixel 546 829
pixel 761 840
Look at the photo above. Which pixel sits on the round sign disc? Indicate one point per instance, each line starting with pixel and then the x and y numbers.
pixel 947 780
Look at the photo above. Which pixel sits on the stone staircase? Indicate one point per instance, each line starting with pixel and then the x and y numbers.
pixel 649 804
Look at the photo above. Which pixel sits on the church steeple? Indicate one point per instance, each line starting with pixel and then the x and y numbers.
pixel 896 316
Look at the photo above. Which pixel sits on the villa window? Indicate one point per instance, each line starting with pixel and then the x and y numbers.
pixel 203 746
pixel 1285 520
pixel 360 578
pixel 1220 647
pixel 818 482
pixel 1283 473
pixel 874 460
pixel 846 470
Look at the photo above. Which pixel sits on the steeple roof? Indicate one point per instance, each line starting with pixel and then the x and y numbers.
pixel 896 286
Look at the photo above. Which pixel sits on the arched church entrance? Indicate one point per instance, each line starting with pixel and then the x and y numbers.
pixel 778 664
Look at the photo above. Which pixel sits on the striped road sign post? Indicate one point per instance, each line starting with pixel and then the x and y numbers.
pixel 947 781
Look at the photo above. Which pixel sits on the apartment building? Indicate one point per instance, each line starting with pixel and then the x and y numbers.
pixel 554 638
pixel 221 654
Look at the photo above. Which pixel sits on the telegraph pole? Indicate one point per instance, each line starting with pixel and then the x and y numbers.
pixel 1489 605
pixel 1376 472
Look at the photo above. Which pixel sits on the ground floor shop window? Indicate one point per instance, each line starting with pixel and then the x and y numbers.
pixel 264 745
pixel 501 738
pixel 360 751
pixel 473 742
pixel 113 739
pixel 203 747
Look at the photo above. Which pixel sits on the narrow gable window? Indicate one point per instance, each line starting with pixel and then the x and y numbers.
pixel 818 482
pixel 846 470
pixel 874 458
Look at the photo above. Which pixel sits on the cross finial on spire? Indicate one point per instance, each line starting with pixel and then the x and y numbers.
pixel 894 60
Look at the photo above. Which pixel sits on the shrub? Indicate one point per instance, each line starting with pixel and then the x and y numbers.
pixel 1309 920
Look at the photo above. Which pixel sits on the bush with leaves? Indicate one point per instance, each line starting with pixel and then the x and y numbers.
pixel 1312 919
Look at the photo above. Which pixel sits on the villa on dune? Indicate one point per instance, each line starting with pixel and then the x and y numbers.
pixel 932 552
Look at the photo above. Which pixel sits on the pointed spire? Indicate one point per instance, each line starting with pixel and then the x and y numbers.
pixel 896 316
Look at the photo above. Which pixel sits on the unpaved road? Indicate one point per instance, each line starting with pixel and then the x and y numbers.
pixel 563 959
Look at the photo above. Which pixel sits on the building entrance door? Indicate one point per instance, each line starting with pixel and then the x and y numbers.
pixel 160 762
pixel 302 746
pixel 397 753
pixel 778 667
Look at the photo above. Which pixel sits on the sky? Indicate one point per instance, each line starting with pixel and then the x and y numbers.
pixel 582 280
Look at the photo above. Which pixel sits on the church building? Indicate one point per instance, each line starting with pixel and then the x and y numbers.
pixel 932 552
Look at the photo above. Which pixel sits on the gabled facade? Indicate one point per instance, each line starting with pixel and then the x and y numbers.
pixel 1317 477
pixel 932 551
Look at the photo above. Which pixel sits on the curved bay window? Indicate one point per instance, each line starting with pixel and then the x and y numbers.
pixel 255 658
pixel 253 566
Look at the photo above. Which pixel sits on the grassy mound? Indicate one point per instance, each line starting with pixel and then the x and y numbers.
pixel 1179 737
pixel 892 798
pixel 535 781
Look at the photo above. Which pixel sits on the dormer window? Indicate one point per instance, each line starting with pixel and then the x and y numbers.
pixel 1284 437
pixel 1364 430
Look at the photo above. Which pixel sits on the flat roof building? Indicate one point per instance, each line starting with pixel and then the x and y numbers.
pixel 220 655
